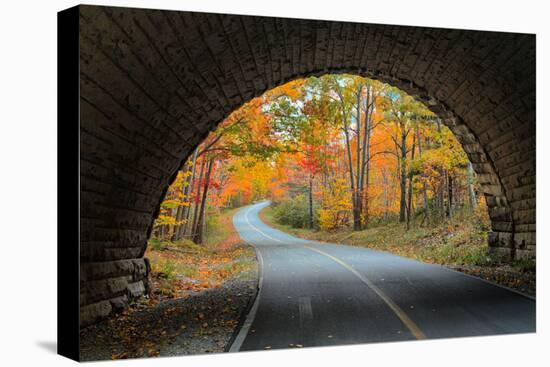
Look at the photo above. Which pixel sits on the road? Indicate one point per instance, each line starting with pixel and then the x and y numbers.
pixel 317 294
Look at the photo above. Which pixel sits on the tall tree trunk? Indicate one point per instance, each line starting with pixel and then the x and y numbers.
pixel 177 226
pixel 450 197
pixel 387 202
pixel 441 198
pixel 358 166
pixel 356 213
pixel 403 178
pixel 471 190
pixel 424 186
pixel 365 172
pixel 198 235
pixel 386 195
pixel 180 214
pixel 409 204
pixel 190 187
pixel 311 201
pixel 197 196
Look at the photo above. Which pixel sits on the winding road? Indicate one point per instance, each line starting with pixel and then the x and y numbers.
pixel 318 294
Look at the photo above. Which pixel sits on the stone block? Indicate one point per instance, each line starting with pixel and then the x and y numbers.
pixel 500 239
pixel 521 240
pixel 97 290
pixel 136 289
pixel 527 254
pixel 119 303
pixel 106 269
pixel 93 313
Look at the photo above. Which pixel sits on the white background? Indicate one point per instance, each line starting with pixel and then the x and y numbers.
pixel 28 169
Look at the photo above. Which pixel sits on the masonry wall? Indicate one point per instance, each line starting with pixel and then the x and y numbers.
pixel 154 83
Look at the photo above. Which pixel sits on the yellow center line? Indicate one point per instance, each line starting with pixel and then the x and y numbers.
pixel 410 324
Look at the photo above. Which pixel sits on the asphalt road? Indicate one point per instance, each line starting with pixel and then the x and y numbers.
pixel 317 294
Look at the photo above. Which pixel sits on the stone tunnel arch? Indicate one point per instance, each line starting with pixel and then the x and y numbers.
pixel 154 83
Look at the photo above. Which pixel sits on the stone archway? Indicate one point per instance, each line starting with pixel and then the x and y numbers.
pixel 154 83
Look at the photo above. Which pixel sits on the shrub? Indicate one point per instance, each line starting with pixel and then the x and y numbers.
pixel 294 212
pixel 156 244
pixel 212 222
pixel 168 270
pixel 525 265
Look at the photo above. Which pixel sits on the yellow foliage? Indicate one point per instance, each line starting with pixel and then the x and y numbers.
pixel 167 220
pixel 336 205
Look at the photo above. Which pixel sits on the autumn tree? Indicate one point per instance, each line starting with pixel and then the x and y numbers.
pixel 402 115
pixel 349 149
pixel 336 206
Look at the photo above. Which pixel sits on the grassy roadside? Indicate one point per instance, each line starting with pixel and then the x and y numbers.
pixel 459 244
pixel 456 243
pixel 178 268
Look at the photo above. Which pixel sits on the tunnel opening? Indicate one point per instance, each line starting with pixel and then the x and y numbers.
pixel 150 96
pixel 292 123
pixel 297 145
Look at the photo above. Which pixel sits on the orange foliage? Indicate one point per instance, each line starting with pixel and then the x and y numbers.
pixel 254 160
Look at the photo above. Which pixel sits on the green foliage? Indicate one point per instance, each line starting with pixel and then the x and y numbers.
pixel 287 119
pixel 525 265
pixel 461 241
pixel 212 220
pixel 214 232
pixel 293 212
pixel 187 245
pixel 167 270
pixel 467 253
pixel 156 244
